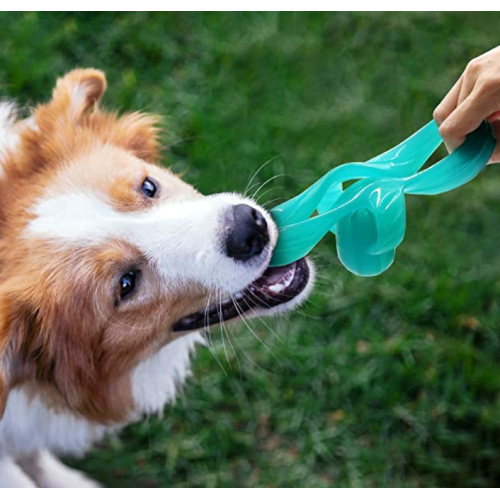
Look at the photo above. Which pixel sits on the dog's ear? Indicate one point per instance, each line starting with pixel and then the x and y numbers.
pixel 5 361
pixel 54 136
pixel 74 96
pixel 79 91
pixel 76 93
pixel 35 343
pixel 16 335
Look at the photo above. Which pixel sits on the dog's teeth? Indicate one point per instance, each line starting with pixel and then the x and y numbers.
pixel 251 288
pixel 238 296
pixel 226 301
pixel 283 282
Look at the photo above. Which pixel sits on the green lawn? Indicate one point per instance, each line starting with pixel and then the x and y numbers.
pixel 387 381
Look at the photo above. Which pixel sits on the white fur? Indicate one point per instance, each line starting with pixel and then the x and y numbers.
pixel 46 471
pixel 41 470
pixel 8 138
pixel 12 476
pixel 28 425
pixel 156 380
pixel 183 239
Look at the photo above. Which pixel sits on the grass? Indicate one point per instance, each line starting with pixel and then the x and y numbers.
pixel 388 381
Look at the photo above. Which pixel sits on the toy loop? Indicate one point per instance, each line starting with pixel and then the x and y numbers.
pixel 369 217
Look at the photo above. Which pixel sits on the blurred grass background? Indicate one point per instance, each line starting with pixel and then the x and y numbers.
pixel 388 381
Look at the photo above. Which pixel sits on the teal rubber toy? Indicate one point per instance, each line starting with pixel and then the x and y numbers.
pixel 369 217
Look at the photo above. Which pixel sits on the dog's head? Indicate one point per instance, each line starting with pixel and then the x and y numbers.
pixel 106 257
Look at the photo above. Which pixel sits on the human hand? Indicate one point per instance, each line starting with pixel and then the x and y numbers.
pixel 475 97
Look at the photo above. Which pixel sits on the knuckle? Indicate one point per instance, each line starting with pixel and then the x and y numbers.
pixel 445 130
pixel 473 66
pixel 438 115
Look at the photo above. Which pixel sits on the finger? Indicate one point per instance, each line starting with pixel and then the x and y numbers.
pixel 449 103
pixel 469 81
pixel 466 118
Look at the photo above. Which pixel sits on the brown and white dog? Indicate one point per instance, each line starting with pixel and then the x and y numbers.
pixel 109 267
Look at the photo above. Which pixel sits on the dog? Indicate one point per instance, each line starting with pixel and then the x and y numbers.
pixel 110 267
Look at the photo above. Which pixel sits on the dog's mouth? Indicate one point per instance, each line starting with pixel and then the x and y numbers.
pixel 277 286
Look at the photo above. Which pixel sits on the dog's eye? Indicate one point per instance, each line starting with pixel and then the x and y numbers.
pixel 149 187
pixel 127 283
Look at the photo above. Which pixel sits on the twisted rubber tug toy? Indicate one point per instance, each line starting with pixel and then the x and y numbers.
pixel 369 217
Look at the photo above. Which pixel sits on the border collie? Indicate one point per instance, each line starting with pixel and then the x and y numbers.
pixel 110 267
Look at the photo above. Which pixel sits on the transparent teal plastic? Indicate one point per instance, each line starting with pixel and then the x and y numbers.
pixel 369 217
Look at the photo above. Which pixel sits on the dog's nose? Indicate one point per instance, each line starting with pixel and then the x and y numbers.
pixel 248 234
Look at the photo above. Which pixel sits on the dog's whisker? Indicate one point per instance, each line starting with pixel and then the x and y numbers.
pixel 226 330
pixel 212 351
pixel 247 357
pixel 206 331
pixel 229 335
pixel 222 329
pixel 266 183
pixel 261 319
pixel 258 171
pixel 244 318
pixel 264 193
pixel 207 307
pixel 273 332
pixel 255 185
pixel 270 202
